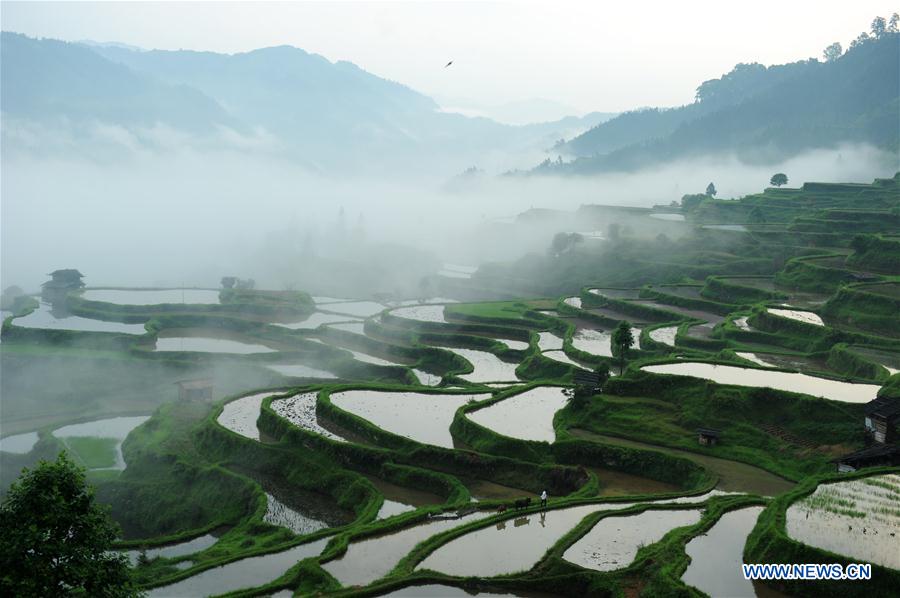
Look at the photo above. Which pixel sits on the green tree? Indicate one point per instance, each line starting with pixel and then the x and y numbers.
pixel 778 179
pixel 56 540
pixel 690 202
pixel 861 39
pixel 879 27
pixel 893 23
pixel 832 52
pixel 711 190
pixel 622 340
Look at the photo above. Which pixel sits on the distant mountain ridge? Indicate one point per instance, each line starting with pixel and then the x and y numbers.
pixel 758 113
pixel 325 116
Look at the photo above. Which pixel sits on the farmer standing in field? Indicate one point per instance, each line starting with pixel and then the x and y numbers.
pixel 543 499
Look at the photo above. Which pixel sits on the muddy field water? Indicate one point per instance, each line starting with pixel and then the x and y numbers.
pixel 527 416
pixel 858 518
pixel 373 558
pixel 300 410
pixel 152 296
pixel 245 573
pixel 422 417
pixel 734 476
pixel 790 381
pixel 617 483
pixel 614 541
pixel 717 555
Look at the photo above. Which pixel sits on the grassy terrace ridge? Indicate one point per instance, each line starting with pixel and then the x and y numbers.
pixel 188 475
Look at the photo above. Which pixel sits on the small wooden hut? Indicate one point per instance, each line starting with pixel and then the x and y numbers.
pixel 708 436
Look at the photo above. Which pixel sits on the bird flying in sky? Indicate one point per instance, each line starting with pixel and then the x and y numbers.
pixel 448 64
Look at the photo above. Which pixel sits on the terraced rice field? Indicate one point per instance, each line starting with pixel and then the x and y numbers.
pixel 614 542
pixel 793 382
pixel 422 417
pixel 300 410
pixel 526 416
pixel 152 296
pixel 858 518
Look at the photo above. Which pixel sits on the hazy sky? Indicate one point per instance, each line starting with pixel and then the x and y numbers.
pixel 591 55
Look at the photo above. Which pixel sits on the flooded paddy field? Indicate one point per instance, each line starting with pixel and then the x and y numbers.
pixel 807 317
pixel 598 342
pixel 372 558
pixel 790 381
pixel 616 293
pixel 173 341
pixel 734 476
pixel 421 313
pixel 297 509
pixel 152 296
pixel 83 437
pixel 300 410
pixel 512 545
pixel 717 555
pixel 614 542
pixel 354 327
pixel 367 358
pixel 45 317
pixel 240 415
pixel 526 416
pixel 573 302
pixel 315 320
pixel 779 360
pixel 427 378
pixel 170 551
pixel 422 417
pixel 488 367
pixel 19 443
pixel 667 216
pixel 710 318
pixel 615 314
pixel 561 357
pixel 245 573
pixel 665 335
pixel 858 518
pixel 547 341
pixel 300 371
